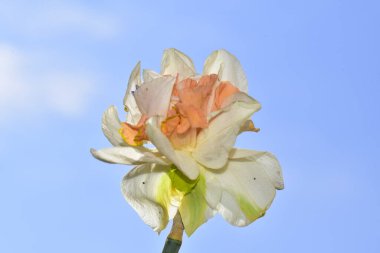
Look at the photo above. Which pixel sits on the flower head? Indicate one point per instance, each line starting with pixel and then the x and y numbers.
pixel 193 121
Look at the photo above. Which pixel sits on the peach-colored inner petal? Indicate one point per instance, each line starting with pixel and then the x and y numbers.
pixel 190 103
pixel 195 116
pixel 134 135
pixel 222 93
pixel 195 93
pixel 183 126
pixel 170 124
pixel 182 140
pixel 190 99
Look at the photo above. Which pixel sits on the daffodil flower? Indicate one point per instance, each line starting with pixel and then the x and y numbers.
pixel 193 121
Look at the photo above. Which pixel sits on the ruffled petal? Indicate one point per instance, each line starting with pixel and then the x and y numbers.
pixel 129 101
pixel 175 62
pixel 215 142
pixel 149 75
pixel 181 159
pixel 148 189
pixel 247 189
pixel 153 97
pixel 128 155
pixel 228 67
pixel 111 125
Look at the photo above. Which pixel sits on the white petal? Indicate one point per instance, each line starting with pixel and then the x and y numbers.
pixel 149 75
pixel 215 142
pixel 147 188
pixel 247 190
pixel 194 208
pixel 153 97
pixel 175 62
pixel 268 162
pixel 111 126
pixel 129 101
pixel 181 159
pixel 228 67
pixel 128 155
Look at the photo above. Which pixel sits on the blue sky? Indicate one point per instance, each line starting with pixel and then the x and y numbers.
pixel 313 65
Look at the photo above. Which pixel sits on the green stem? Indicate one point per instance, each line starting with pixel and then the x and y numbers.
pixel 174 240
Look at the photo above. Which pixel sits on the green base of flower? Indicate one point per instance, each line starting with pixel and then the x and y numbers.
pixel 172 246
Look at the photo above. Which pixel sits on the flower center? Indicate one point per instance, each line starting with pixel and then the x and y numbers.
pixel 191 103
pixel 189 109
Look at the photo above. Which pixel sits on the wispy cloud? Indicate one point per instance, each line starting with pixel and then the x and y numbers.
pixel 80 19
pixel 24 91
pixel 38 75
pixel 13 89
pixel 68 94
pixel 57 18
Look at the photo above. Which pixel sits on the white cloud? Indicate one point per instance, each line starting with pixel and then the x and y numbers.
pixel 80 19
pixel 13 89
pixel 24 91
pixel 57 18
pixel 68 94
pixel 34 81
